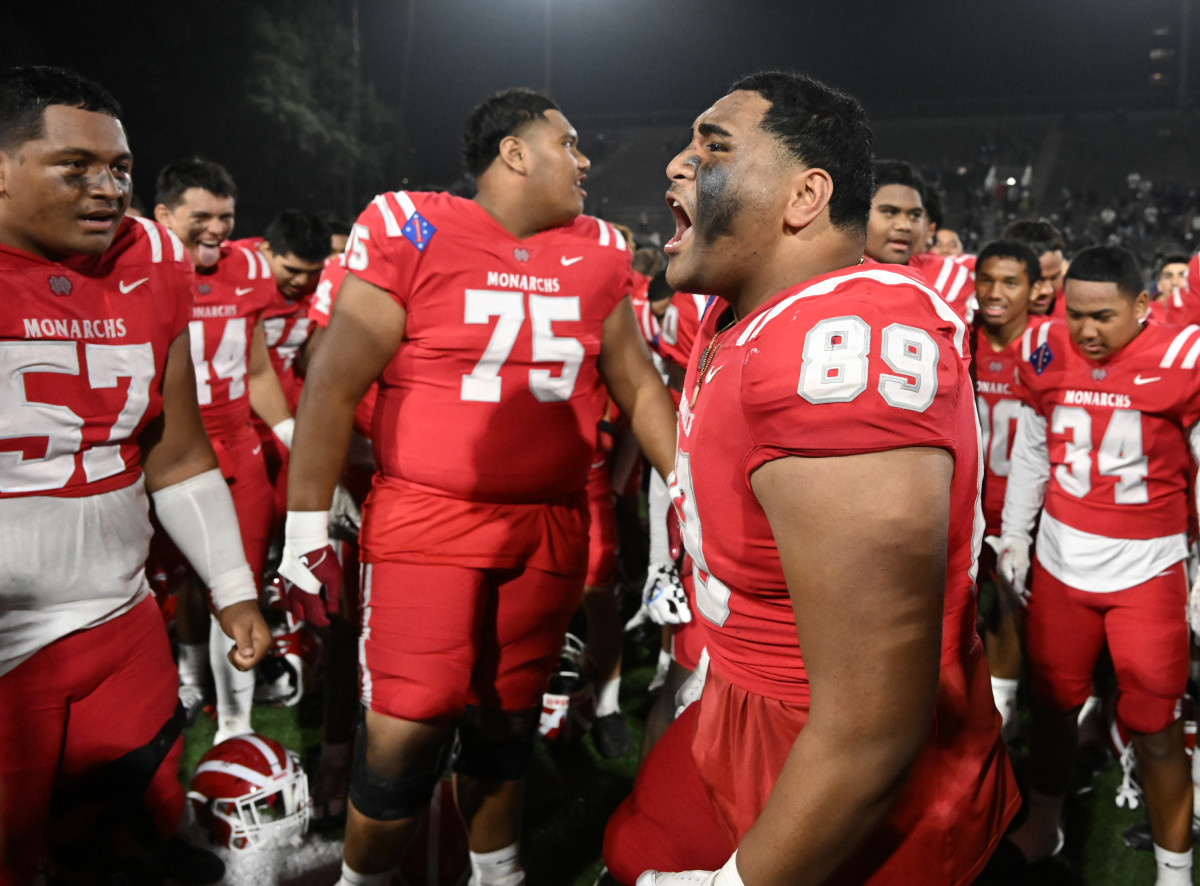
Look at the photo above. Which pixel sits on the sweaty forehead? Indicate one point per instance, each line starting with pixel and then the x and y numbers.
pixel 64 126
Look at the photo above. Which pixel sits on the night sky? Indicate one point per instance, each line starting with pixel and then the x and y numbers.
pixel 181 68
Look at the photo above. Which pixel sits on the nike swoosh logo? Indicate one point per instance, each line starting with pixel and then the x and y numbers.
pixel 1138 380
pixel 567 262
pixel 257 449
pixel 242 291
pixel 127 288
pixel 712 372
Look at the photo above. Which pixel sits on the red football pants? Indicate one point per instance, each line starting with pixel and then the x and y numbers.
pixel 81 702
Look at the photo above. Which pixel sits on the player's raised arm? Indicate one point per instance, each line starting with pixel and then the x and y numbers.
pixel 193 504
pixel 872 666
pixel 637 387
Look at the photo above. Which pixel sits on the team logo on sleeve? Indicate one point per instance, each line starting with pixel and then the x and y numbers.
pixel 1041 358
pixel 60 285
pixel 418 231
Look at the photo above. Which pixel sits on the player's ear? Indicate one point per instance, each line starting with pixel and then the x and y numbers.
pixel 809 193
pixel 513 153
pixel 1141 306
pixel 162 215
pixel 5 159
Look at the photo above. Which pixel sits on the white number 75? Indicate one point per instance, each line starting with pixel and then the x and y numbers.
pixel 483 383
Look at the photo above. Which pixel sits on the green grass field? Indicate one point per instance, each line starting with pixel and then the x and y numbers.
pixel 573 791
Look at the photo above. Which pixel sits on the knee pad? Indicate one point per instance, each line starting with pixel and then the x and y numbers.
pixel 494 758
pixel 391 799
pixel 1146 713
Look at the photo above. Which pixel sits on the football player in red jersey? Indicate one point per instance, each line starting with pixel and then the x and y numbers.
pixel 1005 275
pixel 827 486
pixel 196 200
pixel 491 324
pixel 1102 442
pixel 898 229
pixel 947 242
pixel 1047 241
pixel 100 410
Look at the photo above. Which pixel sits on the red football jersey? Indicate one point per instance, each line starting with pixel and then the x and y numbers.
pixel 320 309
pixel 84 344
pixel 491 396
pixel 679 326
pixel 951 276
pixel 860 360
pixel 227 304
pixel 286 326
pixel 1116 428
pixel 998 400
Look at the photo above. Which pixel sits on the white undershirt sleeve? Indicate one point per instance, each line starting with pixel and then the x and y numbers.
pixel 1026 488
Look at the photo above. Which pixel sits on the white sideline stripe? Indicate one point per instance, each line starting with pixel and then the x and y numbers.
pixel 154 236
pixel 364 665
pixel 1177 344
pixel 826 286
pixel 390 225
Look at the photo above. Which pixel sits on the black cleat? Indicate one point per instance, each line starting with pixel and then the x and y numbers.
pixel 610 735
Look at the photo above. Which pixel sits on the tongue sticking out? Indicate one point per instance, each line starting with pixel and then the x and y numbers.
pixel 207 256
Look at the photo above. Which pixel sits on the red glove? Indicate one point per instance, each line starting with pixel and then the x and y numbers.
pixel 311 582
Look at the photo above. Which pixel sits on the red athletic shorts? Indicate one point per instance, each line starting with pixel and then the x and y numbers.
pixel 240 455
pixel 436 638
pixel 79 703
pixel 709 777
pixel 602 531
pixel 1147 634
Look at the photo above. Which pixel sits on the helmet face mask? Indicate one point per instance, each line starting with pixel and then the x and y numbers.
pixel 250 792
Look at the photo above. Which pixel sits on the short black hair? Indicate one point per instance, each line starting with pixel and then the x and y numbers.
pixel 899 172
pixel 499 115
pixel 1108 264
pixel 298 233
pixel 26 92
pixel 176 178
pixel 1041 236
pixel 1013 249
pixel 823 129
pixel 1173 259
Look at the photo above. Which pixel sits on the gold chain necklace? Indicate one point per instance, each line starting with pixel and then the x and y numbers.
pixel 706 359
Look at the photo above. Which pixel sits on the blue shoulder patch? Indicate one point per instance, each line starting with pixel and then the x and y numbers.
pixel 418 231
pixel 1041 358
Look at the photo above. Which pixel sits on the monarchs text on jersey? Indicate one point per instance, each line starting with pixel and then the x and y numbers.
pixel 83 345
pixel 490 396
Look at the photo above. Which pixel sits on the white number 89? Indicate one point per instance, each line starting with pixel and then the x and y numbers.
pixel 835 365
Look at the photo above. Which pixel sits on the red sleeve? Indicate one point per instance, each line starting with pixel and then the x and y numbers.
pixel 379 252
pixel 320 308
pixel 877 371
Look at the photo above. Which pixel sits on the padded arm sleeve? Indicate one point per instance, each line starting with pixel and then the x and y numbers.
pixel 198 514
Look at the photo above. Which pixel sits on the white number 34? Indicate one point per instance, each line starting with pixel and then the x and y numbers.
pixel 836 367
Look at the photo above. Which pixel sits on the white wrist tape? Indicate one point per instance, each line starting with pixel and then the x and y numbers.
pixel 306 531
pixel 284 430
pixel 198 514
